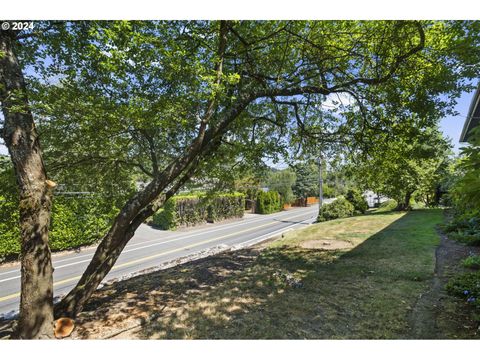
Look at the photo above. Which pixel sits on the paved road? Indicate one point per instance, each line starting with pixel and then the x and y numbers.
pixel 150 247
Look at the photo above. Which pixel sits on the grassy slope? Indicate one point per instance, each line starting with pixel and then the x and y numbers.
pixel 285 291
pixel 366 292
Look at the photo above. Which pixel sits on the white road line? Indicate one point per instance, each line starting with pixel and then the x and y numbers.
pixel 266 236
pixel 179 249
pixel 147 246
pixel 191 233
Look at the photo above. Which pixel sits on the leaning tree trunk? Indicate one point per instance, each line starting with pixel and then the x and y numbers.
pixel 36 301
pixel 132 215
pixel 141 206
pixel 102 262
pixel 144 203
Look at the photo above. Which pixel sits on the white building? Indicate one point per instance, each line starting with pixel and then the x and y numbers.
pixel 373 198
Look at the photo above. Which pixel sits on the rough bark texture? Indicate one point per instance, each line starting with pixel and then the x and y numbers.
pixel 405 203
pixel 36 303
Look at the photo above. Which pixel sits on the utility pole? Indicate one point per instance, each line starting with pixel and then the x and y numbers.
pixel 320 182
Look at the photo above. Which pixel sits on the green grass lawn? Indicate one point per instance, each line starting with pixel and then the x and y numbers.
pixel 287 289
pixel 365 292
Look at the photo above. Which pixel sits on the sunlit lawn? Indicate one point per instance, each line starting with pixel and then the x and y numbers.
pixel 287 290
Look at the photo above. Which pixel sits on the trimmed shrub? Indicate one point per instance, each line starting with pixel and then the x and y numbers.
pixel 268 202
pixel 79 221
pixel 225 206
pixel 357 200
pixel 9 217
pixel 190 210
pixel 75 222
pixel 340 208
pixel 9 228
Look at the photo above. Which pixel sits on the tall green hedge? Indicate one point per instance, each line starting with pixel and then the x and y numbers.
pixel 79 221
pixel 9 229
pixel 190 210
pixel 76 221
pixel 268 202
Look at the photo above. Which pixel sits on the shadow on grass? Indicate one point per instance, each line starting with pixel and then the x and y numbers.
pixel 278 293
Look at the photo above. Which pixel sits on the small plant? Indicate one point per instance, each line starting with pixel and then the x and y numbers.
pixel 466 286
pixel 464 229
pixel 472 262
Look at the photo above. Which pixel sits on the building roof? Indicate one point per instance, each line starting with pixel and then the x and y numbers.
pixel 473 117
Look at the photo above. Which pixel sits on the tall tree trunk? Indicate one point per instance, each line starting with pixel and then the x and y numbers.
pixel 438 195
pixel 405 203
pixel 36 301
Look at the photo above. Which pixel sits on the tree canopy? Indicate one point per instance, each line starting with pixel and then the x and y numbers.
pixel 131 88
pixel 172 100
pixel 403 165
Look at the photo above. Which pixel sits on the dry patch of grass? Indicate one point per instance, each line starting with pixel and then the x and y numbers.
pixel 326 245
pixel 282 290
pixel 353 231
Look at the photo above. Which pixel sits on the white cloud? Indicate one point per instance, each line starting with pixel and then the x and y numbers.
pixel 337 100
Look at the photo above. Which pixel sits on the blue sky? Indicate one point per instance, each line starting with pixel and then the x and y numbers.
pixel 452 125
